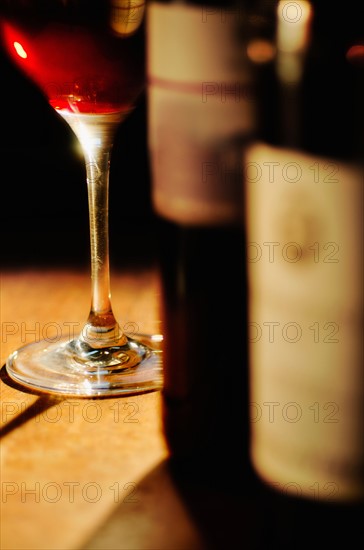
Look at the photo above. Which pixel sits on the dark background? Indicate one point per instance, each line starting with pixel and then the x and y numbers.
pixel 44 212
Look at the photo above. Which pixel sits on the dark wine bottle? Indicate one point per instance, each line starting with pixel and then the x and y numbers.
pixel 304 199
pixel 201 115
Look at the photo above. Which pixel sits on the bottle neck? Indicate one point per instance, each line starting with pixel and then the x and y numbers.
pixel 310 93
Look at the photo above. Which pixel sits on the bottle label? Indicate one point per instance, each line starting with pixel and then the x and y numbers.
pixel 305 244
pixel 200 106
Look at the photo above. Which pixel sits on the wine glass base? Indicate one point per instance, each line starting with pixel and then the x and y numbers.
pixel 55 368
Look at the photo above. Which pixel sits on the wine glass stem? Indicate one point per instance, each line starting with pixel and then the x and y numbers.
pixel 97 170
pixel 101 329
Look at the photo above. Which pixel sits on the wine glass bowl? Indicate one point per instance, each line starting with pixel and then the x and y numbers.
pixel 88 59
pixel 82 59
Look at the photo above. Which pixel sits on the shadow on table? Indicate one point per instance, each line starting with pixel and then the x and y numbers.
pixel 169 512
pixel 43 403
pixel 174 508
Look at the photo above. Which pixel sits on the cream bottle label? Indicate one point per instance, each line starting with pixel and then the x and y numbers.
pixel 305 245
pixel 200 105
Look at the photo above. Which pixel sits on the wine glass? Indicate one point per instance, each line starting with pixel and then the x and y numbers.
pixel 88 60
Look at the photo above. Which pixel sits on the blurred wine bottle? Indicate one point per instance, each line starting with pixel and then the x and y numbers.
pixel 304 199
pixel 200 117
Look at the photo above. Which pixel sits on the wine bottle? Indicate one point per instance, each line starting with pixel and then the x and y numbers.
pixel 304 198
pixel 201 115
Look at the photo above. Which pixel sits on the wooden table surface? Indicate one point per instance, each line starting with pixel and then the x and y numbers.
pixel 95 474
pixel 83 473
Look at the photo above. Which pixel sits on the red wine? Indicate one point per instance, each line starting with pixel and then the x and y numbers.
pixel 80 67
